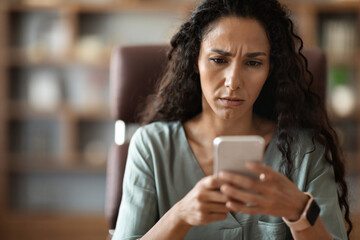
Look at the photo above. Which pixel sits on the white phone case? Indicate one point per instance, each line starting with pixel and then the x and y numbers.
pixel 232 153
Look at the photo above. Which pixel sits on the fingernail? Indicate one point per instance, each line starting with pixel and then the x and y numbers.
pixel 222 188
pixel 250 164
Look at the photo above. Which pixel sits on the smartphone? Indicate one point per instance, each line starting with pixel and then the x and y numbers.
pixel 233 152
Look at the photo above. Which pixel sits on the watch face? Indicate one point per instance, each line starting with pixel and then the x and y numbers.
pixel 313 213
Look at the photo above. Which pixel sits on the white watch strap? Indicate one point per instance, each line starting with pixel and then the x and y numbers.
pixel 302 223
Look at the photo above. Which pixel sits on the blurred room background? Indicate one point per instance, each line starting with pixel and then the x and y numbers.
pixel 55 125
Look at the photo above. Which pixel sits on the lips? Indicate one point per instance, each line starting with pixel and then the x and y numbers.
pixel 231 101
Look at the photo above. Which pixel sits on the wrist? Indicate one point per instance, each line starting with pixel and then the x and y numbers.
pixel 308 216
pixel 178 218
pixel 170 226
pixel 298 208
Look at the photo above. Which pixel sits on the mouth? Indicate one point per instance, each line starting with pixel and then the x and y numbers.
pixel 231 101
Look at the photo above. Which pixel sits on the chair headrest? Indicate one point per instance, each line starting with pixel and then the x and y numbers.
pixel 134 71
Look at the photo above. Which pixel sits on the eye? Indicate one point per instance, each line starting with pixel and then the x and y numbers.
pixel 254 63
pixel 218 60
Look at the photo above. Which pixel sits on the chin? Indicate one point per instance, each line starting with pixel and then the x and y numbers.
pixel 228 116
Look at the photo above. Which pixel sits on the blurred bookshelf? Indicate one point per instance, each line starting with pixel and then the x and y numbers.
pixel 334 26
pixel 54 115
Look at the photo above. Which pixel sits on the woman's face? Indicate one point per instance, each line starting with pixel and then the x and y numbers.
pixel 233 64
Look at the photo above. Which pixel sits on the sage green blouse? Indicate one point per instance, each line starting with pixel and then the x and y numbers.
pixel 161 169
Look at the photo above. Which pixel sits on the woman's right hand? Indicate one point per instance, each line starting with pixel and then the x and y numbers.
pixel 203 204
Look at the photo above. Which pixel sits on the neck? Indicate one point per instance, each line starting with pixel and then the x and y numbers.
pixel 212 126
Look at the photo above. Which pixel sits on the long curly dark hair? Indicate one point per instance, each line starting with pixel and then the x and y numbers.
pixel 286 97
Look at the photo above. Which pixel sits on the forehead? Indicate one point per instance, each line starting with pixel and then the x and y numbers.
pixel 234 31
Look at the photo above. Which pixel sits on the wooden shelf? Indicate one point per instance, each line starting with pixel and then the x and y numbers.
pixel 339 7
pixel 352 163
pixel 137 5
pixel 72 122
pixel 325 6
pixel 17 159
pixel 128 5
pixel 69 148
pixel 355 217
pixel 334 119
pixel 19 58
pixel 25 163
pixel 22 110
pixel 351 62
pixel 44 226
pixel 96 114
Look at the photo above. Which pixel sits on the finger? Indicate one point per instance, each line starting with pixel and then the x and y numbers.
pixel 242 195
pixel 210 182
pixel 212 196
pixel 259 168
pixel 213 208
pixel 214 217
pixel 243 208
pixel 266 173
pixel 241 181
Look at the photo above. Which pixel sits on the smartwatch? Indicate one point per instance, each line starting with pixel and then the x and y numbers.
pixel 308 216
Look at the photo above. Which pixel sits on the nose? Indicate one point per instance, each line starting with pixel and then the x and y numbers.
pixel 233 79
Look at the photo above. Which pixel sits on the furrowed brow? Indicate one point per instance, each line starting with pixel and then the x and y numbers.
pixel 255 54
pixel 222 52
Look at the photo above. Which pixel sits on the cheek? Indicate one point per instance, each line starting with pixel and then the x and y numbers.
pixel 209 79
pixel 206 88
pixel 254 87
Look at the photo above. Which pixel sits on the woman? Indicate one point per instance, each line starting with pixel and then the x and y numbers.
pixel 235 68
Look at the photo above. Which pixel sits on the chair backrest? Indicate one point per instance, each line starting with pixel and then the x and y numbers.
pixel 133 72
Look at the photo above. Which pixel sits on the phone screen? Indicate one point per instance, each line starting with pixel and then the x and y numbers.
pixel 233 152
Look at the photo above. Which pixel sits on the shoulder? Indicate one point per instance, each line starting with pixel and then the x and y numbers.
pixel 158 127
pixel 150 143
pixel 306 152
pixel 157 130
pixel 156 135
pixel 305 142
pixel 309 156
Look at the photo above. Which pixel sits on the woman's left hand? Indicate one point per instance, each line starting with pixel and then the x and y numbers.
pixel 272 194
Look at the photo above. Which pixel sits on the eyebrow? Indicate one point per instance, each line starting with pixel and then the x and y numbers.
pixel 255 54
pixel 225 53
pixel 222 52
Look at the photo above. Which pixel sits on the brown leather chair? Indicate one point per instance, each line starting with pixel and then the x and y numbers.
pixel 133 72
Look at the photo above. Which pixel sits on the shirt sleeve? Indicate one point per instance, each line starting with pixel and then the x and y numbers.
pixel 321 184
pixel 138 209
